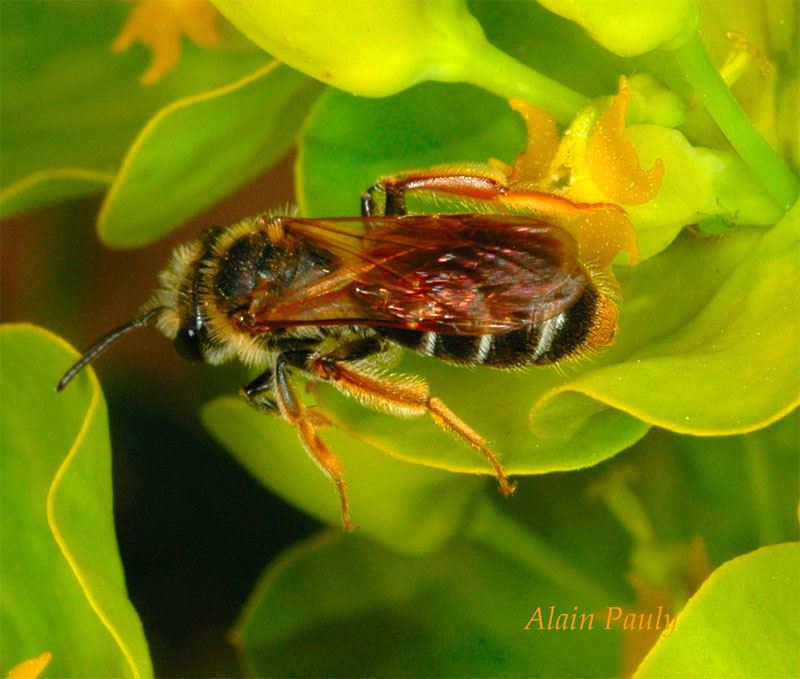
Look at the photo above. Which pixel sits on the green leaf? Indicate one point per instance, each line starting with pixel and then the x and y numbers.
pixel 742 622
pixel 731 365
pixel 70 107
pixel 349 142
pixel 51 186
pixel 459 612
pixel 63 589
pixel 196 151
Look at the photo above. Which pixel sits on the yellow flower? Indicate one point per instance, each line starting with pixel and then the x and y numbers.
pixel 160 24
pixel 594 167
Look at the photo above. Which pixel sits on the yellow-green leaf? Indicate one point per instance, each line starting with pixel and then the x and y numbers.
pixel 198 150
pixel 63 589
pixel 743 622
pixel 731 368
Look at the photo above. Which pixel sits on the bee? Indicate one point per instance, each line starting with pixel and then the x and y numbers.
pixel 336 300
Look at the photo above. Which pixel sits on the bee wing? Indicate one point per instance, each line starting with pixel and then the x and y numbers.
pixel 469 274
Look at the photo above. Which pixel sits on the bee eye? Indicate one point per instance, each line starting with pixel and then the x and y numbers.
pixel 188 343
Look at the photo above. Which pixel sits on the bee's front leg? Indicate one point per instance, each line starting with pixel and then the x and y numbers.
pixel 296 413
pixel 260 393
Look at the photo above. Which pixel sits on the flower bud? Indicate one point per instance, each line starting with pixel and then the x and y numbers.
pixel 364 47
pixel 629 27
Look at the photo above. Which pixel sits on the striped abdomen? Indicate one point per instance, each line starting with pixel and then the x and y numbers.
pixel 587 325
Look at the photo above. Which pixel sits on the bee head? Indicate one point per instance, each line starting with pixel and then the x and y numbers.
pixel 220 267
pixel 192 285
pixel 182 319
pixel 211 277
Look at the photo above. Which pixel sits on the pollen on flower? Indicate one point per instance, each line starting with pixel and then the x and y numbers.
pixel 553 178
pixel 612 159
pixel 160 25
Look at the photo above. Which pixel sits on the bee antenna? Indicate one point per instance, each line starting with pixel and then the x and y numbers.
pixel 104 342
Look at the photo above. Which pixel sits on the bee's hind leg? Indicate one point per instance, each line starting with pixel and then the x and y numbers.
pixel 451 422
pixel 481 183
pixel 404 397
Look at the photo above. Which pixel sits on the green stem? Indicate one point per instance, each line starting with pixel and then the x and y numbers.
pixel 773 174
pixel 495 71
pixel 497 531
pixel 765 505
pixel 627 507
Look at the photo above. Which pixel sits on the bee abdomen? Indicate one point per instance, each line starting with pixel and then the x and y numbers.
pixel 589 324
pixel 580 328
pixel 586 325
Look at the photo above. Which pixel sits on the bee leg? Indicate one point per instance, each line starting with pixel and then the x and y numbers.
pixel 405 398
pixel 260 393
pixel 296 413
pixel 476 183
pixel 449 421
pixel 394 200
pixel 368 201
pixel 355 350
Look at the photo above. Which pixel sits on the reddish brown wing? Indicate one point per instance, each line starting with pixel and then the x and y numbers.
pixel 469 274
